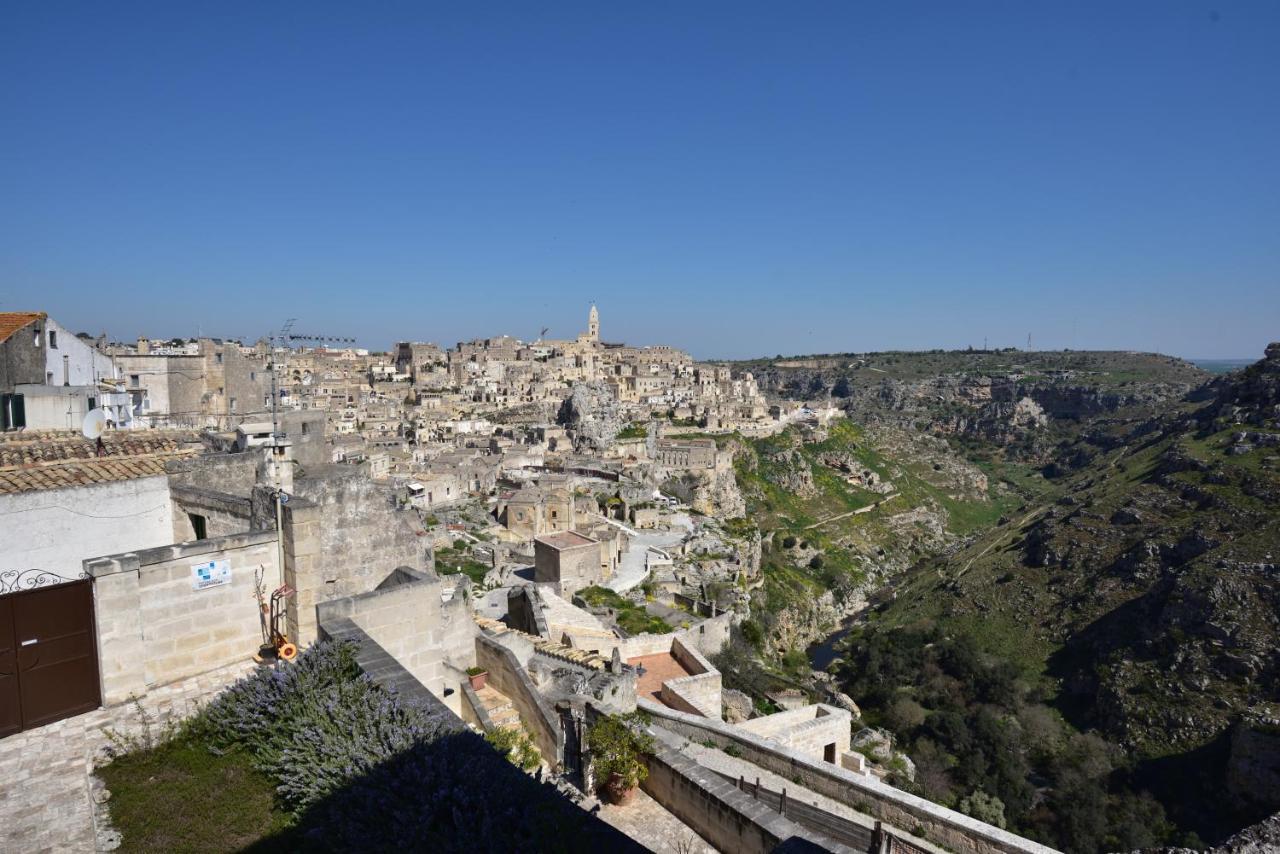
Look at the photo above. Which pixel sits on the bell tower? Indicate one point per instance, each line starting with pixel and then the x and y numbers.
pixel 593 324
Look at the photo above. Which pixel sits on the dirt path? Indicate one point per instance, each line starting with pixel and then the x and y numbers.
pixel 860 510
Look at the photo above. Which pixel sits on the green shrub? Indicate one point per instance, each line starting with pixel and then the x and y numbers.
pixel 516 745
pixel 618 744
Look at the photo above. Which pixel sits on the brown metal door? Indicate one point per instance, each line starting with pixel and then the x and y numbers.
pixel 55 651
pixel 10 705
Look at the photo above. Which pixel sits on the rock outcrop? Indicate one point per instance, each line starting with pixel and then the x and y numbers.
pixel 593 417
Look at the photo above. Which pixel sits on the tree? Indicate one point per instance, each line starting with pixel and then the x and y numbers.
pixel 618 744
pixel 983 807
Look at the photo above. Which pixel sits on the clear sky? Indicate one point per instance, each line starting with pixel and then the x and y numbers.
pixel 734 178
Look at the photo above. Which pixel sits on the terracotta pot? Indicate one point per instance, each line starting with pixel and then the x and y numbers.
pixel 616 792
pixel 479 680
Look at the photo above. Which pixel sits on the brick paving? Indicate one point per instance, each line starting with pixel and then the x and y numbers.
pixel 46 792
pixel 657 669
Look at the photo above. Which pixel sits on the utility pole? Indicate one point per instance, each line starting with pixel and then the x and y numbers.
pixel 279 338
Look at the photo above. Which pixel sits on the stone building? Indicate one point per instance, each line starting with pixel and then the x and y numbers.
pixel 567 559
pixel 685 454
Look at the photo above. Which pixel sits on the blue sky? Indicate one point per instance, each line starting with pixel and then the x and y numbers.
pixel 738 179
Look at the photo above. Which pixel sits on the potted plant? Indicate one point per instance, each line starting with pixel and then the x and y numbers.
pixel 479 677
pixel 618 744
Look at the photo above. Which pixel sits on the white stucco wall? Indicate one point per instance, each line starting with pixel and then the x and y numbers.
pixel 57 529
pixel 84 364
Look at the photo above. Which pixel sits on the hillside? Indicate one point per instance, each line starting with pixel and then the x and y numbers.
pixel 1087 633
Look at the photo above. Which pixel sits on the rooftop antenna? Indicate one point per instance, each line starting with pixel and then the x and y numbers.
pixel 1028 342
pixel 544 332
pixel 281 338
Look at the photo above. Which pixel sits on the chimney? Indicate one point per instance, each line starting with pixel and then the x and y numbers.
pixel 144 346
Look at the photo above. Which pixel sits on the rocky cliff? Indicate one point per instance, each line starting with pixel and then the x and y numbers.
pixel 592 416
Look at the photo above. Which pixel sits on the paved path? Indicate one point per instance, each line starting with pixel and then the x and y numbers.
pixel 648 822
pixel 45 792
pixel 632 570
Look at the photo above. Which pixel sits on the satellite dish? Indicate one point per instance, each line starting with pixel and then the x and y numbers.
pixel 95 423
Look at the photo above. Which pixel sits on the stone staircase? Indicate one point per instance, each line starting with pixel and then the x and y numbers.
pixel 498 706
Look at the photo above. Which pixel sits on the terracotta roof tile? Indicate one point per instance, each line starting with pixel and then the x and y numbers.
pixel 31 461
pixel 12 321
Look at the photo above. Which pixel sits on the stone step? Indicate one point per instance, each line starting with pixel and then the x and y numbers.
pixel 505 717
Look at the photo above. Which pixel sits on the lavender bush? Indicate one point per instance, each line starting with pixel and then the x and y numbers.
pixel 314 725
pixel 362 772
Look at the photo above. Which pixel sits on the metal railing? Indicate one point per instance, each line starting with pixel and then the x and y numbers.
pixel 874 840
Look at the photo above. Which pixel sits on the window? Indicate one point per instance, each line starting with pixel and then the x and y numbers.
pixel 218 358
pixel 134 380
pixel 233 404
pixel 306 428
pixel 48 377
pixel 93 403
pixel 253 376
pixel 200 525
pixel 53 340
pixel 36 339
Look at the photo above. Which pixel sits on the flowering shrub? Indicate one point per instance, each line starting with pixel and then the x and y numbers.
pixel 314 725
pixel 361 772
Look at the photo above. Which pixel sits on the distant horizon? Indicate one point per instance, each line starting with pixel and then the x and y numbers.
pixel 822 177
pixel 453 342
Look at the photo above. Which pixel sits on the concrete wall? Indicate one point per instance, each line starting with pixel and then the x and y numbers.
pixel 57 407
pixel 409 619
pixel 154 628
pixel 56 530
pixel 948 828
pixel 72 361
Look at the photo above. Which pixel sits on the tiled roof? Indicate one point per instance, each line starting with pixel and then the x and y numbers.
pixel 12 321
pixel 556 650
pixel 56 460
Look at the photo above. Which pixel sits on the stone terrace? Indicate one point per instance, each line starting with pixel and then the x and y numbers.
pixel 658 668
pixel 46 782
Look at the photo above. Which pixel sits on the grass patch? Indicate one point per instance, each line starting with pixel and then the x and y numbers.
pixel 632 618
pixel 181 797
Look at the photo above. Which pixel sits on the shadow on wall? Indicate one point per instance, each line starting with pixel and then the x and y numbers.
pixel 454 793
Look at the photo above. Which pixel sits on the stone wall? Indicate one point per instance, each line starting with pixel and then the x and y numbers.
pixel 809 730
pixel 342 537
pixel 410 619
pixel 941 826
pixel 698 693
pixel 231 474
pixel 223 514
pixel 725 817
pixel 570 569
pixel 506 663
pixel 155 628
